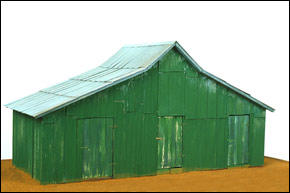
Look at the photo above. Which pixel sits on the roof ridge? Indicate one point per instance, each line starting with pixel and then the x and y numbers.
pixel 149 44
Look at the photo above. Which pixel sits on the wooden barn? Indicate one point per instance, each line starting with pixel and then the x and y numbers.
pixel 148 110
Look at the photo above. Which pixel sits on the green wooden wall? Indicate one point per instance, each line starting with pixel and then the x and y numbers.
pixel 47 147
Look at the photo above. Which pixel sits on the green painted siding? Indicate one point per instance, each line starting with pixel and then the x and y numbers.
pixel 23 132
pixel 135 146
pixel 257 135
pixel 48 149
pixel 204 144
pixel 171 101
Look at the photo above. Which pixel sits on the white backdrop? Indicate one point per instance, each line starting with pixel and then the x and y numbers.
pixel 244 43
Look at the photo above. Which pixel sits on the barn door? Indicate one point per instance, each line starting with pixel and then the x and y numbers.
pixel 95 147
pixel 170 142
pixel 238 141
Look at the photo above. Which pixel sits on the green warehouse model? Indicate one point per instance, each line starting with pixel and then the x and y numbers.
pixel 149 109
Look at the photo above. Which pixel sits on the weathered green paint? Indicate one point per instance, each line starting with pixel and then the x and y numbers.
pixel 257 141
pixel 47 147
pixel 23 131
pixel 169 99
pixel 238 143
pixel 169 142
pixel 204 144
pixel 94 138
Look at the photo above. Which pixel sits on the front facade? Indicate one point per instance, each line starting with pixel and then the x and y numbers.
pixel 170 118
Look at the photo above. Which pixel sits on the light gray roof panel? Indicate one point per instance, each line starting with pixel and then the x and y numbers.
pixel 128 62
pixel 91 73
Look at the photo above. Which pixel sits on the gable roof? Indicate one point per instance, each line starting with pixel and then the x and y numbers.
pixel 128 62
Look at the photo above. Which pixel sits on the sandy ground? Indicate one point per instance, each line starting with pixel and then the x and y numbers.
pixel 273 176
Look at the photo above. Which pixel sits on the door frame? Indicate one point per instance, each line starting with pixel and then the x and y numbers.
pixel 171 169
pixel 80 161
pixel 228 137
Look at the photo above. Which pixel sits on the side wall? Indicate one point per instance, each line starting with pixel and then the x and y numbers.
pixel 23 141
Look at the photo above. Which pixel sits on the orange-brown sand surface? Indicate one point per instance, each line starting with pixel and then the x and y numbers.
pixel 273 176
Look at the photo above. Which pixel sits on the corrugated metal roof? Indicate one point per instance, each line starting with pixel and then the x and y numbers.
pixel 128 62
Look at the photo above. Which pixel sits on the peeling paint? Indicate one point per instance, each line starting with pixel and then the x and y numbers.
pixel 169 130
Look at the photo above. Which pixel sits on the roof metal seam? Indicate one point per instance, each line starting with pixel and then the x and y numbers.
pixel 89 80
pixel 31 105
pixel 117 68
pixel 102 74
pixel 95 74
pixel 56 94
pixel 22 100
pixel 62 86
